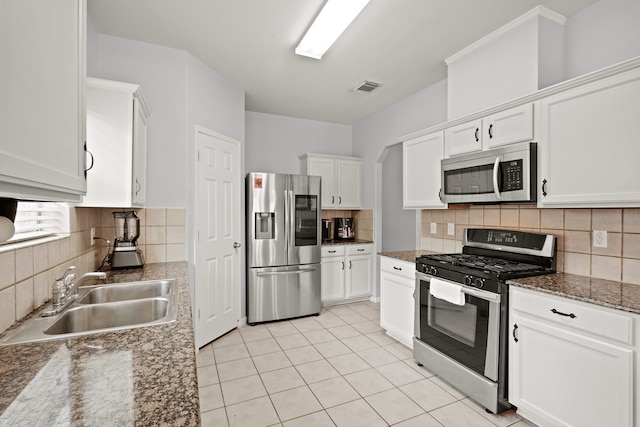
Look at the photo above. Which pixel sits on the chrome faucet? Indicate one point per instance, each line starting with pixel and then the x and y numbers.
pixel 64 292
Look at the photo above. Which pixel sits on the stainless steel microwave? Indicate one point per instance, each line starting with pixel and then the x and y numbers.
pixel 506 174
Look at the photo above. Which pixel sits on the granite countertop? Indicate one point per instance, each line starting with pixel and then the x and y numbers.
pixel 409 256
pixel 143 376
pixel 607 293
pixel 346 242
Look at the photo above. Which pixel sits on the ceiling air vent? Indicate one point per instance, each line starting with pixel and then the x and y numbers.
pixel 367 86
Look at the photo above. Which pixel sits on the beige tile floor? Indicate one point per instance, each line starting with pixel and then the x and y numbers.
pixel 336 369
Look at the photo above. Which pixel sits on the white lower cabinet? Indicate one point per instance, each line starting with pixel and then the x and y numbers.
pixel 346 273
pixel 397 284
pixel 570 363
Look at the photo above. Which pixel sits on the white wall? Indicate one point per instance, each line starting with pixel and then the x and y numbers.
pixel 601 35
pixel 273 143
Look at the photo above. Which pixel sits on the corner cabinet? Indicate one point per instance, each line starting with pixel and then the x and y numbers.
pixel 571 363
pixel 346 273
pixel 590 141
pixel 421 158
pixel 42 111
pixel 117 140
pixel 397 285
pixel 341 179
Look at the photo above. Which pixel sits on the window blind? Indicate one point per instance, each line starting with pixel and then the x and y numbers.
pixel 40 219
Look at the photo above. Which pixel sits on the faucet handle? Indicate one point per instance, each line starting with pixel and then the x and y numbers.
pixel 69 271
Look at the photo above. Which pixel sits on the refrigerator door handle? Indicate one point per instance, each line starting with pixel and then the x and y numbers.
pixel 277 273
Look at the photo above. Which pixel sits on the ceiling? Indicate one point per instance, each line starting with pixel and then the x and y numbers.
pixel 401 44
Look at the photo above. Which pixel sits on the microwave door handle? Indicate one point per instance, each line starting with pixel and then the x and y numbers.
pixel 496 169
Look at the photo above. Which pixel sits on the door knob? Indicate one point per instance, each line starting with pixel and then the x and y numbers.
pixel 236 245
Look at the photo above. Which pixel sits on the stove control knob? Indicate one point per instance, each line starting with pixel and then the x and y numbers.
pixel 468 280
pixel 433 271
pixel 479 283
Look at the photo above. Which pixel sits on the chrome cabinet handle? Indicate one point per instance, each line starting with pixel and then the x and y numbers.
pixel 332 252
pixel 343 265
pixel 397 268
pixel 515 328
pixel 236 245
pixel 544 187
pixel 491 131
pixel 333 199
pixel 360 250
pixel 349 265
pixel 476 134
pixel 339 200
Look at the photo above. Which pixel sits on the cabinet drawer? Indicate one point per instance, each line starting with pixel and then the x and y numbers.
pixel 358 249
pixel 331 250
pixel 579 315
pixel 396 266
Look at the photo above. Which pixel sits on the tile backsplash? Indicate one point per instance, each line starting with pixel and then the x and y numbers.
pixel 620 260
pixel 27 270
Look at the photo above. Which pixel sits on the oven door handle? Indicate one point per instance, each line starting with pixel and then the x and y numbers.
pixel 496 169
pixel 485 295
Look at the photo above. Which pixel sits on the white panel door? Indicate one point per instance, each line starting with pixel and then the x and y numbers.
pixel 218 211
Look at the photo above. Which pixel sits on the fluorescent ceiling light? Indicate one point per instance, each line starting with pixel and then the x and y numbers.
pixel 334 18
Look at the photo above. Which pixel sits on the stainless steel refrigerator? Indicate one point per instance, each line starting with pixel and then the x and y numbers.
pixel 283 246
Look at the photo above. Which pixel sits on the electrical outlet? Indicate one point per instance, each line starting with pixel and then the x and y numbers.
pixel 599 238
pixel 434 229
pixel 93 236
pixel 451 229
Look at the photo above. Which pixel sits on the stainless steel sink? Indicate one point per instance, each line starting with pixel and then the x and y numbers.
pixel 122 292
pixel 104 308
pixel 107 316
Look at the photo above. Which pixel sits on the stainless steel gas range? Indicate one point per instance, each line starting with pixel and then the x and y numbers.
pixel 462 307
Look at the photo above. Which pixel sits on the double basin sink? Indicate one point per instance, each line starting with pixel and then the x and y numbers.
pixel 104 308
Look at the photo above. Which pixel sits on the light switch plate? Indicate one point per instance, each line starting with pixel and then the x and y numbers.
pixel 434 229
pixel 451 229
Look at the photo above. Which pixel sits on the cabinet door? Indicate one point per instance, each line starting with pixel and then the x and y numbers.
pixel 562 378
pixel 396 299
pixel 333 286
pixel 421 171
pixel 358 275
pixel 590 144
pixel 464 138
pixel 139 176
pixel 326 168
pixel 508 127
pixel 349 179
pixel 42 122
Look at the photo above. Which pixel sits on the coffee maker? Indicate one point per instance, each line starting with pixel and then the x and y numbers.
pixel 125 250
pixel 344 229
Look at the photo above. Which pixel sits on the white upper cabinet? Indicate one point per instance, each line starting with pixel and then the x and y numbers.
pixel 591 144
pixel 341 179
pixel 42 116
pixel 508 127
pixel 421 158
pixel 463 138
pixel 117 140
pixel 505 127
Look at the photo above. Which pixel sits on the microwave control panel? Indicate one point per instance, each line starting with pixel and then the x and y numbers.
pixel 512 179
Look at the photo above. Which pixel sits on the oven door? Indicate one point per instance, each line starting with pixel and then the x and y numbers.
pixel 468 334
pixel 505 174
